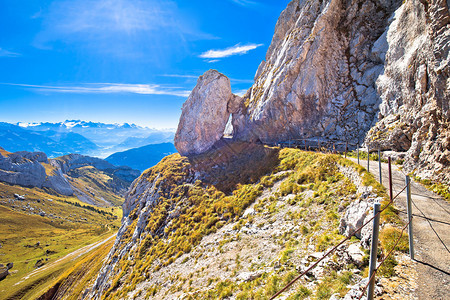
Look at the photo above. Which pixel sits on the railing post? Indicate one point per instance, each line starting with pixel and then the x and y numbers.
pixel 379 166
pixel 410 226
pixel 391 196
pixel 368 159
pixel 374 250
pixel 346 148
pixel 357 152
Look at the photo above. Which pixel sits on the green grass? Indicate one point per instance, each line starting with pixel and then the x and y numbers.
pixel 80 274
pixel 208 204
pixel 57 237
pixel 437 187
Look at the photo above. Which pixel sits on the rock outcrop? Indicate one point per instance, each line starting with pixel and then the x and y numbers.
pixel 205 114
pixel 318 79
pixel 415 89
pixel 16 168
pixel 33 169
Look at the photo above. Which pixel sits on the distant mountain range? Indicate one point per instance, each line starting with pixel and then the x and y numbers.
pixel 75 136
pixel 142 158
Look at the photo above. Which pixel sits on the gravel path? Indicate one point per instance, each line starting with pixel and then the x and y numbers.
pixel 431 231
pixel 69 257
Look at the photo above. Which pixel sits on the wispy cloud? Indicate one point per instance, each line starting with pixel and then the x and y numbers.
pixel 6 53
pixel 240 93
pixel 244 2
pixel 180 76
pixel 109 88
pixel 235 50
pixel 233 80
pixel 116 26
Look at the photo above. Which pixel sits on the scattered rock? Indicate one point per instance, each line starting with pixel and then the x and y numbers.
pixel 356 254
pixel 39 263
pixel 353 218
pixel 19 197
pixel 9 265
pixel 249 276
pixel 3 273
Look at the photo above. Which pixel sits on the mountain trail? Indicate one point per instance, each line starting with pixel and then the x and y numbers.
pixel 431 228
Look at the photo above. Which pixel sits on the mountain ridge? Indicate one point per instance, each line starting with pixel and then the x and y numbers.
pixel 321 81
pixel 92 180
pixel 74 136
pixel 142 158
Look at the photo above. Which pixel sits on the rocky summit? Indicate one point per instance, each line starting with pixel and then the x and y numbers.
pixel 354 71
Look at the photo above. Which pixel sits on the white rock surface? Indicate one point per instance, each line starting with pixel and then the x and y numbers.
pixel 205 114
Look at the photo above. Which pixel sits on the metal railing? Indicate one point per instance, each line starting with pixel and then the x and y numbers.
pixel 373 268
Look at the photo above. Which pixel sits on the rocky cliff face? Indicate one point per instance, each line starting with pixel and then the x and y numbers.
pixel 23 168
pixel 337 69
pixel 318 79
pixel 415 89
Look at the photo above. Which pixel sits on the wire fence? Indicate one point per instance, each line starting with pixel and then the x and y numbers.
pixel 338 245
pixel 391 201
pixel 343 148
pixel 379 265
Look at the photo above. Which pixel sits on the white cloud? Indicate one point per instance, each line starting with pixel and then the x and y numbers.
pixel 244 2
pixel 240 93
pixel 110 88
pixel 180 76
pixel 235 50
pixel 6 53
pixel 197 76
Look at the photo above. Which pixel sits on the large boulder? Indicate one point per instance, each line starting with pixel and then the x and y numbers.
pixel 205 114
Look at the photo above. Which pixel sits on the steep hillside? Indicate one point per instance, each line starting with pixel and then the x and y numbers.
pixel 238 221
pixel 92 180
pixel 37 229
pixel 142 158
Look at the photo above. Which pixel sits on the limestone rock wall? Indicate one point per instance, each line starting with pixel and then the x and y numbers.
pixel 318 79
pixel 16 168
pixel 415 89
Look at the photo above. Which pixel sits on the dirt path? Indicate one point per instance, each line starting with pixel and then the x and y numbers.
pixel 69 257
pixel 431 231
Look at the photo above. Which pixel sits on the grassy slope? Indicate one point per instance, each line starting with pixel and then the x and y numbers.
pixel 221 198
pixel 75 224
pixel 95 183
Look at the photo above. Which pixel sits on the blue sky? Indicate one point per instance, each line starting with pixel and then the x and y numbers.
pixel 119 61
